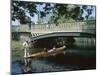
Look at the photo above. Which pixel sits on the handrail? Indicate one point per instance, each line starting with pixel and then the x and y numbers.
pixel 78 26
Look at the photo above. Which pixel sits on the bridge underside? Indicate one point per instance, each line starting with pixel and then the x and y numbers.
pixel 63 34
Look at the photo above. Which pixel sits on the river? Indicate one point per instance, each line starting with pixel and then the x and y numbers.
pixel 74 59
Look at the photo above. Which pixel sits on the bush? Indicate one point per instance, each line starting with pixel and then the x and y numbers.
pixel 16 44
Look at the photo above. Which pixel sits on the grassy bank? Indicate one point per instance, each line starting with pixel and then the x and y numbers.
pixel 17 55
pixel 16 44
pixel 17 52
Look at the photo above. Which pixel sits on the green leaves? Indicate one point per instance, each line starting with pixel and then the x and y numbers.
pixel 58 12
pixel 20 9
pixel 66 12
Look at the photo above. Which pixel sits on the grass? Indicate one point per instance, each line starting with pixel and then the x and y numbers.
pixel 16 44
pixel 17 52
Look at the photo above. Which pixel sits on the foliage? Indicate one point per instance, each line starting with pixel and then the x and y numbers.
pixel 20 9
pixel 16 44
pixel 60 12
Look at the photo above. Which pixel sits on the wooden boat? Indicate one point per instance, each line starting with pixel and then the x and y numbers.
pixel 46 53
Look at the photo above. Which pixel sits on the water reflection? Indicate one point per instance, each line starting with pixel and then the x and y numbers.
pixel 80 54
pixel 16 68
pixel 74 59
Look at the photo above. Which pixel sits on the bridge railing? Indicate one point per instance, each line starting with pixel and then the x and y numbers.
pixel 20 28
pixel 80 26
pixel 88 27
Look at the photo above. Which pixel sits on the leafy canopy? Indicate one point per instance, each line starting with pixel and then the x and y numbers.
pixel 23 11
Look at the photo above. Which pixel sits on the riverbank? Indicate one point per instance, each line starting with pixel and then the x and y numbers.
pixel 15 45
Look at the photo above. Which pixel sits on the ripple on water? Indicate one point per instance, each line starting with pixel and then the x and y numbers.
pixel 16 68
pixel 45 66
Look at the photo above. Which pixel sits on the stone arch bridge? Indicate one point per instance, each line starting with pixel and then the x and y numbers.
pixel 88 27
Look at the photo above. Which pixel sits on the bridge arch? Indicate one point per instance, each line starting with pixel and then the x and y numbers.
pixel 63 34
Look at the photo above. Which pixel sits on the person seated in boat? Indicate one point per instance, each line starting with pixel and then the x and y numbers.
pixel 52 51
pixel 45 50
pixel 64 46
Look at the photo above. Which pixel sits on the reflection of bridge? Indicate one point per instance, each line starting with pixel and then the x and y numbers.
pixel 80 28
pixel 84 29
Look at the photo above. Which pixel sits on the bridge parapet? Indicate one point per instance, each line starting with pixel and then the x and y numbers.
pixel 88 27
pixel 20 28
pixel 80 26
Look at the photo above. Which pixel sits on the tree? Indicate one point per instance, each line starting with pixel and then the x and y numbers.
pixel 64 12
pixel 60 12
pixel 67 12
pixel 88 9
pixel 20 9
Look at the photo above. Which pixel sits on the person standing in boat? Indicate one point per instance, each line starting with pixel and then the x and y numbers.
pixel 26 48
pixel 27 61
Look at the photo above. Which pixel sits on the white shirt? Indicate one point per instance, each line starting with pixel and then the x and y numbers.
pixel 25 44
pixel 52 50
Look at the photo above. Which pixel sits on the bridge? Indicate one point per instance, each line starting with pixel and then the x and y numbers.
pixel 42 32
pixel 63 34
pixel 75 28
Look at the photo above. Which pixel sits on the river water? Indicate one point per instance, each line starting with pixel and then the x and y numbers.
pixel 74 59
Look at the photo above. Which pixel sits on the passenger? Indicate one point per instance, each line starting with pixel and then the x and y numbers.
pixel 64 46
pixel 45 50
pixel 52 51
